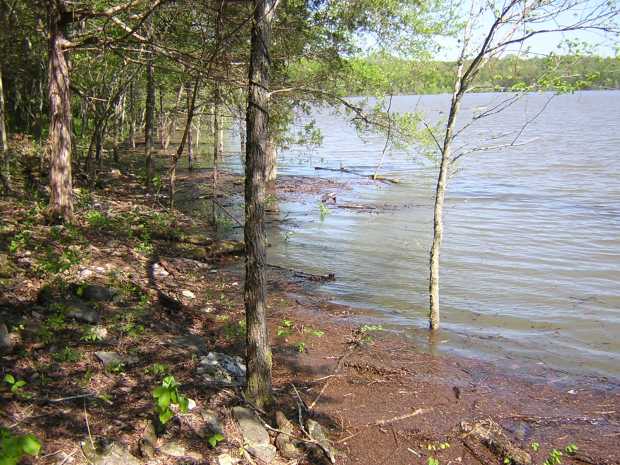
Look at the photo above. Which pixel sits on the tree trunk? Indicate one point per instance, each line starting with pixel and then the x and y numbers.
pixel 132 116
pixel 271 167
pixel 258 354
pixel 5 172
pixel 61 188
pixel 217 133
pixel 440 194
pixel 149 131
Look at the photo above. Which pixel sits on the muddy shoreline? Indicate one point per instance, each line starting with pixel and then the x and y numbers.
pixel 381 399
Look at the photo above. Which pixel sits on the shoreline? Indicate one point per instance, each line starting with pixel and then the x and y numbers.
pixel 364 386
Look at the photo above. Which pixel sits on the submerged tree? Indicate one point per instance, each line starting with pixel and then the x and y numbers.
pixel 513 22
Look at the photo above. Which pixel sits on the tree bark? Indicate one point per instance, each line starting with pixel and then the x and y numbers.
pixel 5 172
pixel 258 354
pixel 61 187
pixel 217 132
pixel 440 195
pixel 149 130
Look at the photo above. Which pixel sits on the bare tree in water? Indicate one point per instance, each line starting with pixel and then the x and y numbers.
pixel 513 22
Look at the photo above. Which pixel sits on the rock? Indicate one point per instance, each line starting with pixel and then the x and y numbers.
pixel 263 452
pixel 159 271
pixel 100 332
pixel 97 293
pixel 189 294
pixel 115 173
pixel 212 423
pixel 252 429
pixel 284 442
pixel 82 312
pixel 112 359
pixel 222 369
pixel 112 453
pixel 148 441
pixel 85 273
pixel 191 342
pixel 173 449
pixel 226 459
pixel 6 344
pixel 315 430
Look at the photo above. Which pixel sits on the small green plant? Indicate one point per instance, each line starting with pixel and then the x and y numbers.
pixel 15 385
pixel 68 354
pixel 301 347
pixel 535 446
pixel 324 211
pixel 167 395
pixel 20 241
pixel 215 439
pixel 554 458
pixel 13 447
pixel 285 328
pixel 234 330
pixel 116 367
pixel 97 219
pixel 156 369
pixel 91 335
pixel 145 246
pixel 315 332
pixel 571 449
pixel 432 461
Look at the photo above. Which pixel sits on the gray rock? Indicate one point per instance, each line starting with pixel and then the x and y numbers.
pixel 111 359
pixel 148 441
pixel 194 343
pixel 316 432
pixel 112 453
pixel 226 459
pixel 252 429
pixel 83 312
pixel 212 423
pixel 284 440
pixel 6 344
pixel 176 449
pixel 222 369
pixel 263 452
pixel 97 293
pixel 159 271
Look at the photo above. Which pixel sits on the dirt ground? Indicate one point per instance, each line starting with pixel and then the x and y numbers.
pixel 381 400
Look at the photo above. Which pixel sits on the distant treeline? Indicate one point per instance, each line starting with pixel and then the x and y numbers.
pixel 399 76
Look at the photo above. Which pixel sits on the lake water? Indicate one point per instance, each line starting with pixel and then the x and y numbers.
pixel 530 266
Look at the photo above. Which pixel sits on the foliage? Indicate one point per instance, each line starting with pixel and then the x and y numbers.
pixel 68 354
pixel 214 439
pixel 167 395
pixel 15 385
pixel 14 447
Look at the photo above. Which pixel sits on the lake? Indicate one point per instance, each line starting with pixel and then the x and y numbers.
pixel 530 265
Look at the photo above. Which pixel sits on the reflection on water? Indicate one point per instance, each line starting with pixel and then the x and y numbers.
pixel 531 255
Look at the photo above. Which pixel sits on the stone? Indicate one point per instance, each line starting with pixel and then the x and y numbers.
pixel 100 332
pixel 115 173
pixel 213 425
pixel 252 429
pixel 6 344
pixel 97 293
pixel 109 358
pixel 85 273
pixel 173 449
pixel 263 452
pixel 83 312
pixel 159 271
pixel 191 342
pixel 188 294
pixel 222 369
pixel 111 453
pixel 226 459
pixel 148 441
pixel 316 432
pixel 284 442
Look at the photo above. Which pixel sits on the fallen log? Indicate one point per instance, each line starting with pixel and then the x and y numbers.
pixel 304 275
pixel 493 437
pixel 374 177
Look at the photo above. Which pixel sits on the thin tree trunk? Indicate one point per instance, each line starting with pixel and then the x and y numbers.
pixel 440 194
pixel 190 145
pixel 258 354
pixel 61 187
pixel 132 116
pixel 5 172
pixel 149 130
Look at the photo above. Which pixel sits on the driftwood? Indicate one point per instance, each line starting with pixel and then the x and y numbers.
pixel 304 275
pixel 493 437
pixel 374 177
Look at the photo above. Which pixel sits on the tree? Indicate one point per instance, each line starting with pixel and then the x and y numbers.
pixel 5 174
pixel 258 354
pixel 513 22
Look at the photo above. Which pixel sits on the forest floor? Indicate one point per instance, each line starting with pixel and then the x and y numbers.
pixel 159 292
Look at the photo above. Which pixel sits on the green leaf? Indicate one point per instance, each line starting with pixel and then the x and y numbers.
pixel 163 401
pixel 158 391
pixel 213 440
pixel 9 378
pixel 30 445
pixel 19 384
pixel 183 403
pixel 165 417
